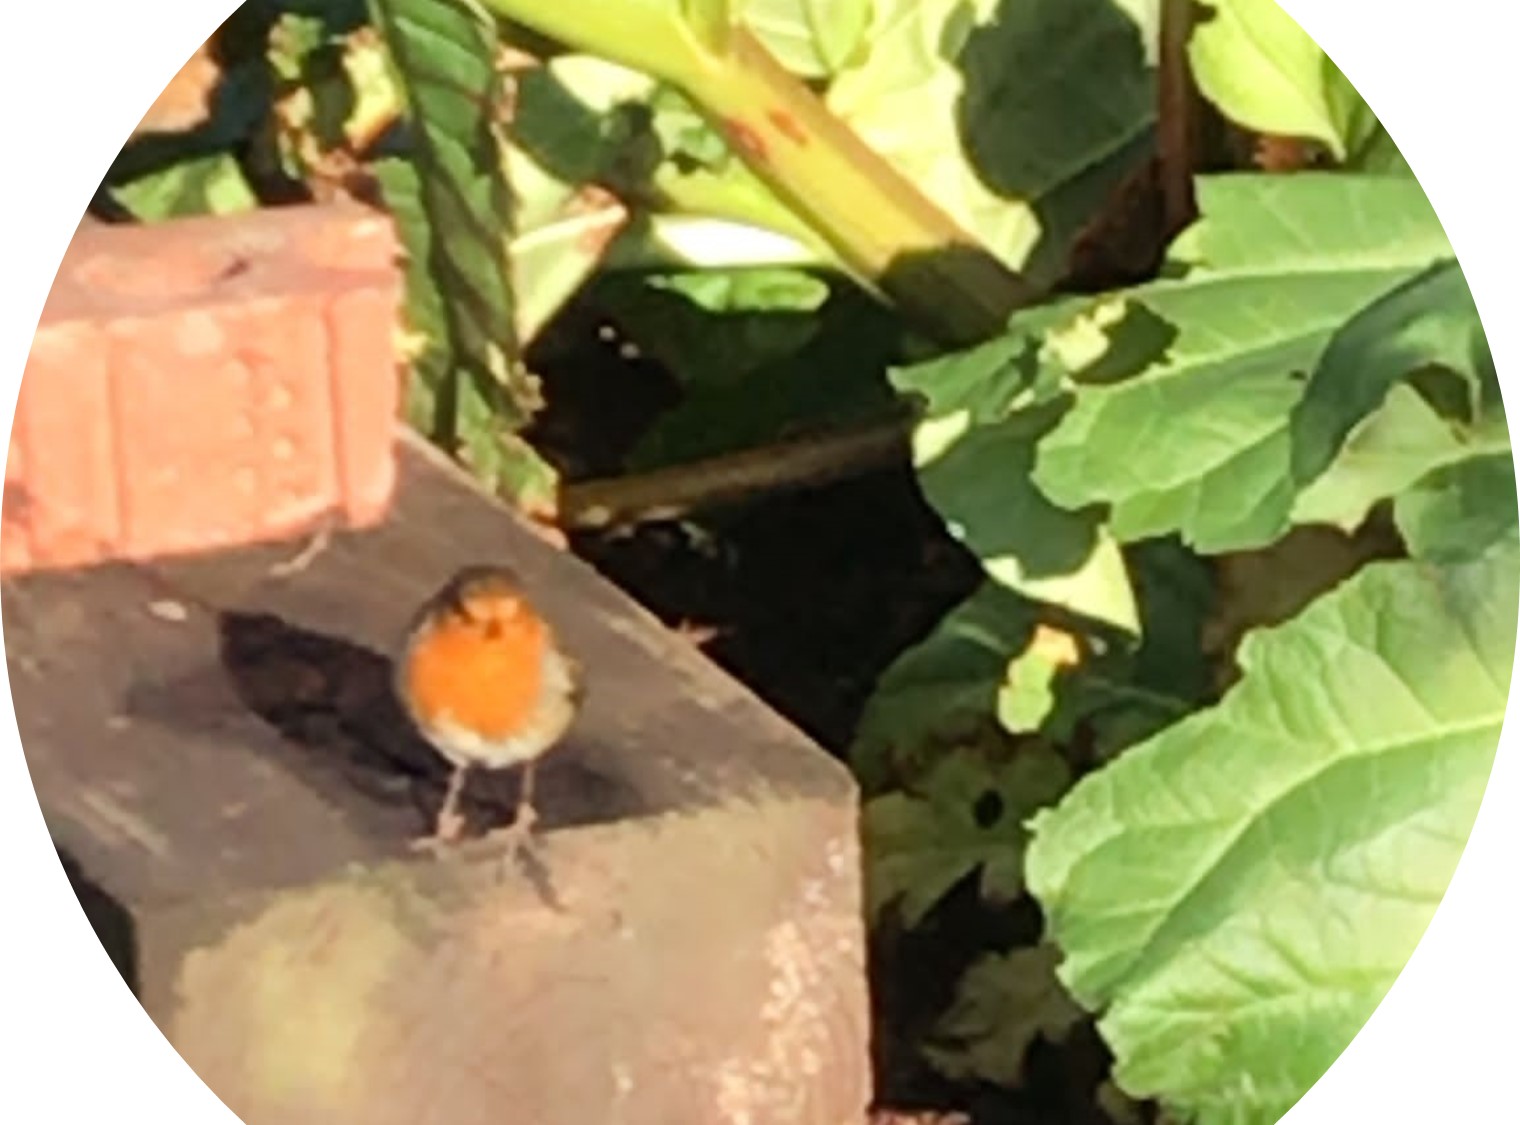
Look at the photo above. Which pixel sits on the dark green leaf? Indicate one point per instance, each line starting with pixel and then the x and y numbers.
pixel 921 845
pixel 1003 1003
pixel 943 690
pixel 1427 321
pixel 763 354
pixel 455 212
pixel 1460 511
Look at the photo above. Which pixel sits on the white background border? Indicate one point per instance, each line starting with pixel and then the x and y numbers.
pixel 78 76
pixel 78 1046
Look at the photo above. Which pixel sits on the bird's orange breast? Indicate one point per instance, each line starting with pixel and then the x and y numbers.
pixel 487 676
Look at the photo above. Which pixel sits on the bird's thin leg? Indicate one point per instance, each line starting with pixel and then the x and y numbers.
pixel 527 812
pixel 518 835
pixel 518 838
pixel 449 826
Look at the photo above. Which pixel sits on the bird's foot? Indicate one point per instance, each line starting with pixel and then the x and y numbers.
pixel 447 833
pixel 517 836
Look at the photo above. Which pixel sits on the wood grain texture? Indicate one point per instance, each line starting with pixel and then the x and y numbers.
pixel 234 791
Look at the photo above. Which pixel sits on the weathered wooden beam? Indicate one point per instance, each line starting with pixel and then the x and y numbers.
pixel 234 792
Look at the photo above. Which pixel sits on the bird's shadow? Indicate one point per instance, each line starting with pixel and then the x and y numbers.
pixel 332 698
pixel 332 702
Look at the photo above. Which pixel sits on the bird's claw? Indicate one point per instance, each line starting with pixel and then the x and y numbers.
pixel 517 836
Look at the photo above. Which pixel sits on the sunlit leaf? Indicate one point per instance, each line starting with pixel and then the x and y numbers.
pixel 1237 894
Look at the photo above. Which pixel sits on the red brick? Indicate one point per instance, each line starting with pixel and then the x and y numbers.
pixel 208 382
pixel 253 456
pixel 364 420
pixel 64 415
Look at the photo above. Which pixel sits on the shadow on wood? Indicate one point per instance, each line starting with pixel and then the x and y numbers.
pixel 111 921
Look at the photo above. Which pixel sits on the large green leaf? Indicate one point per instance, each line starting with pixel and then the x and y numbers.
pixel 1384 454
pixel 1239 893
pixel 1452 478
pixel 1253 61
pixel 1187 430
pixel 1018 117
pixel 1427 321
pixel 986 411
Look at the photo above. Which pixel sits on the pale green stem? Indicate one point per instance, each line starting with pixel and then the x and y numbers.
pixel 875 220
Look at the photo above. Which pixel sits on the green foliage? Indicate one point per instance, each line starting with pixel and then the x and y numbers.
pixel 990 665
pixel 1460 510
pixel 565 137
pixel 1016 116
pixel 811 38
pixel 331 86
pixel 761 352
pixel 454 209
pixel 1263 71
pixel 968 815
pixel 1253 60
pixel 1117 697
pixel 1186 429
pixel 1385 453
pixel 1003 1003
pixel 1240 892
pixel 1144 474
pixel 1427 322
pixel 202 185
pixel 943 691
pixel 1310 352
pixel 985 414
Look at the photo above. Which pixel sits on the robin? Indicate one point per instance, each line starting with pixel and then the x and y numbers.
pixel 485 681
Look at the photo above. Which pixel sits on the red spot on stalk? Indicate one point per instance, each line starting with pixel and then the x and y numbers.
pixel 788 127
pixel 594 239
pixel 604 217
pixel 746 137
